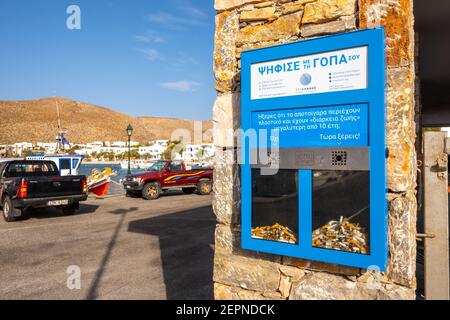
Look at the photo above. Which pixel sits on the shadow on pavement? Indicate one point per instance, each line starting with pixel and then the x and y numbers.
pixel 92 293
pixel 186 241
pixel 51 213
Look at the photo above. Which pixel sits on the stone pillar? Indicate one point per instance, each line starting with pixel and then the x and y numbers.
pixel 249 24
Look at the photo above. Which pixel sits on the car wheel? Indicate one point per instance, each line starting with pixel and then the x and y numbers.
pixel 9 212
pixel 188 190
pixel 204 187
pixel 151 191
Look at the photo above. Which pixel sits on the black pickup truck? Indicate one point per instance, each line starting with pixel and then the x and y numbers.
pixel 27 184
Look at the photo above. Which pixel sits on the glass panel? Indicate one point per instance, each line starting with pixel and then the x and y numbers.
pixel 75 163
pixel 341 210
pixel 275 206
pixel 65 164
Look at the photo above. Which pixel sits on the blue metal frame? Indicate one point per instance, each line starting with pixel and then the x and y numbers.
pixel 374 96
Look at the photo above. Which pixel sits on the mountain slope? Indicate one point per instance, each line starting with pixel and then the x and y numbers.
pixel 36 120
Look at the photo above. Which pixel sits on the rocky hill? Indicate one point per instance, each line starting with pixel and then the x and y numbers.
pixel 36 120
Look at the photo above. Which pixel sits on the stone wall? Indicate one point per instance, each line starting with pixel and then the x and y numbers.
pixel 248 24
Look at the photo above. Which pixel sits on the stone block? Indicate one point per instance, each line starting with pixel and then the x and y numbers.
pixel 264 4
pixel 325 286
pixel 402 239
pixel 341 25
pixel 294 6
pixel 225 67
pixel 284 27
pixel 395 292
pixel 285 286
pixel 263 44
pixel 263 14
pixel 221 5
pixel 398 19
pixel 328 10
pixel 321 267
pixel 227 193
pixel 295 274
pixel 247 273
pixel 401 133
pixel 224 292
pixel 226 119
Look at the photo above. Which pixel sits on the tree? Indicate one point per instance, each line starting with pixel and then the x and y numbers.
pixel 135 154
pixel 146 156
pixel 173 148
pixel 201 154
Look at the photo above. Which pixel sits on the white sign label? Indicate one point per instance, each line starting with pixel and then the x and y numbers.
pixel 319 73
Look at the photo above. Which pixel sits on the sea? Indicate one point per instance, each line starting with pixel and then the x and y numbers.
pixel 115 187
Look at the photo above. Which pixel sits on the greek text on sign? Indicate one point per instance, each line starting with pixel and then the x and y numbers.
pixel 331 126
pixel 332 71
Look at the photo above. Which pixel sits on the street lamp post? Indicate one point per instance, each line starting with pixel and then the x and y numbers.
pixel 129 133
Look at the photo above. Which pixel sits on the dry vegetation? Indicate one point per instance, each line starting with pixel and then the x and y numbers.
pixel 36 120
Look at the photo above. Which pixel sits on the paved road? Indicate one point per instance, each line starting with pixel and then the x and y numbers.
pixel 126 248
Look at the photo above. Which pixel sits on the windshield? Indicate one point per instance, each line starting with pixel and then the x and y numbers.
pixel 158 166
pixel 31 169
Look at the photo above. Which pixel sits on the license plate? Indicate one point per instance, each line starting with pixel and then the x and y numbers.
pixel 57 203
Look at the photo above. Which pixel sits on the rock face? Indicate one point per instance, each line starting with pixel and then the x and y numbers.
pixel 263 14
pixel 251 24
pixel 225 64
pixel 284 27
pixel 396 16
pixel 327 10
pixel 340 25
pixel 226 118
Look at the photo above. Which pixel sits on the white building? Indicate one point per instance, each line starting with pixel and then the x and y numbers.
pixel 21 147
pixel 133 144
pixel 120 144
pixel 94 144
pixel 49 147
pixel 198 152
pixel 154 151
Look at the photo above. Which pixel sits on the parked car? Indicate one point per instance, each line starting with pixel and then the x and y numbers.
pixel 28 184
pixel 165 175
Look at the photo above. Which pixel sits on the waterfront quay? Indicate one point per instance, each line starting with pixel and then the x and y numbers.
pixel 113 248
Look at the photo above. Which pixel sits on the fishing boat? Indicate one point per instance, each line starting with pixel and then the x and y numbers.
pixel 98 182
pixel 68 165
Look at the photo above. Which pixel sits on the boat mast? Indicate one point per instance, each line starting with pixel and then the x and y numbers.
pixel 60 139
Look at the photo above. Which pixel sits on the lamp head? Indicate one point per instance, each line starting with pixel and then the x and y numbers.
pixel 129 130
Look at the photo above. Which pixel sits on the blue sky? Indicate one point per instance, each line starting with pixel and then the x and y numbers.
pixel 141 57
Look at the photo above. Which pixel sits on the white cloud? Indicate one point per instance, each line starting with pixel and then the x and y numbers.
pixel 193 11
pixel 150 37
pixel 151 54
pixel 189 8
pixel 181 86
pixel 174 21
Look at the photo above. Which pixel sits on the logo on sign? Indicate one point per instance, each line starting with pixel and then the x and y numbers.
pixel 305 79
